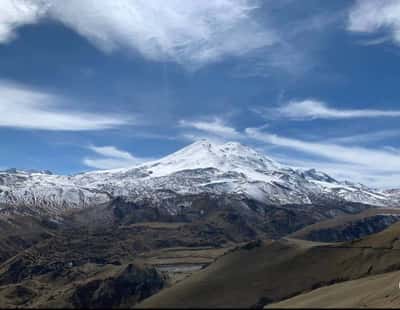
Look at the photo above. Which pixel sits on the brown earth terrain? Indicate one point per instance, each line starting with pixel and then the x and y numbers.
pixel 257 276
pixel 380 291
pixel 122 254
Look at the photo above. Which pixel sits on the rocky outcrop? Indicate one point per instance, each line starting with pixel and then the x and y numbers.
pixel 353 230
pixel 124 289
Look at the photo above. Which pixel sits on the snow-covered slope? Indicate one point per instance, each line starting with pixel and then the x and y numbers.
pixel 202 167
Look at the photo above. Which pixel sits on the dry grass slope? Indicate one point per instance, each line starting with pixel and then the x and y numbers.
pixel 380 291
pixel 280 270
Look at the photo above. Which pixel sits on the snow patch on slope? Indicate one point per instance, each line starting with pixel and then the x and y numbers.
pixel 202 167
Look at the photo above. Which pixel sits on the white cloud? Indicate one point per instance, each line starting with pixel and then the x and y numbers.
pixel 109 157
pixel 111 151
pixel 15 13
pixel 188 32
pixel 373 16
pixel 193 137
pixel 379 168
pixel 369 158
pixel 216 127
pixel 375 167
pixel 349 172
pixel 25 108
pixel 366 137
pixel 313 109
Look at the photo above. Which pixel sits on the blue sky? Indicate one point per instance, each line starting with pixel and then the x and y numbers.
pixel 103 84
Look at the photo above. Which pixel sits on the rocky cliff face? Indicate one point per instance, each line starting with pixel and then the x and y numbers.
pixel 353 230
pixel 124 288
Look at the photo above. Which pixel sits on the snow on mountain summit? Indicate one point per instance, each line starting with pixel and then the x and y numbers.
pixel 201 167
pixel 231 156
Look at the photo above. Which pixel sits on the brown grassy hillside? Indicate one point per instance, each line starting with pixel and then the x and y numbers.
pixel 276 271
pixel 380 291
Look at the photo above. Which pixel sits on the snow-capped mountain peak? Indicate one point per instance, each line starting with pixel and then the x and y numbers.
pixel 203 167
pixel 230 156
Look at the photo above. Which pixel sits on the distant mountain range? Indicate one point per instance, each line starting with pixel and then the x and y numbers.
pixel 202 167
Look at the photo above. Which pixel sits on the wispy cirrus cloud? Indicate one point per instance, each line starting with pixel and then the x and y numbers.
pixel 196 136
pixel 191 33
pixel 23 107
pixel 375 17
pixel 110 157
pixel 187 32
pixel 360 156
pixel 366 137
pixel 375 167
pixel 314 109
pixel 214 127
pixel 350 172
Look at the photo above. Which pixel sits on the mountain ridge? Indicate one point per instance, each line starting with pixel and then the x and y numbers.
pixel 201 167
